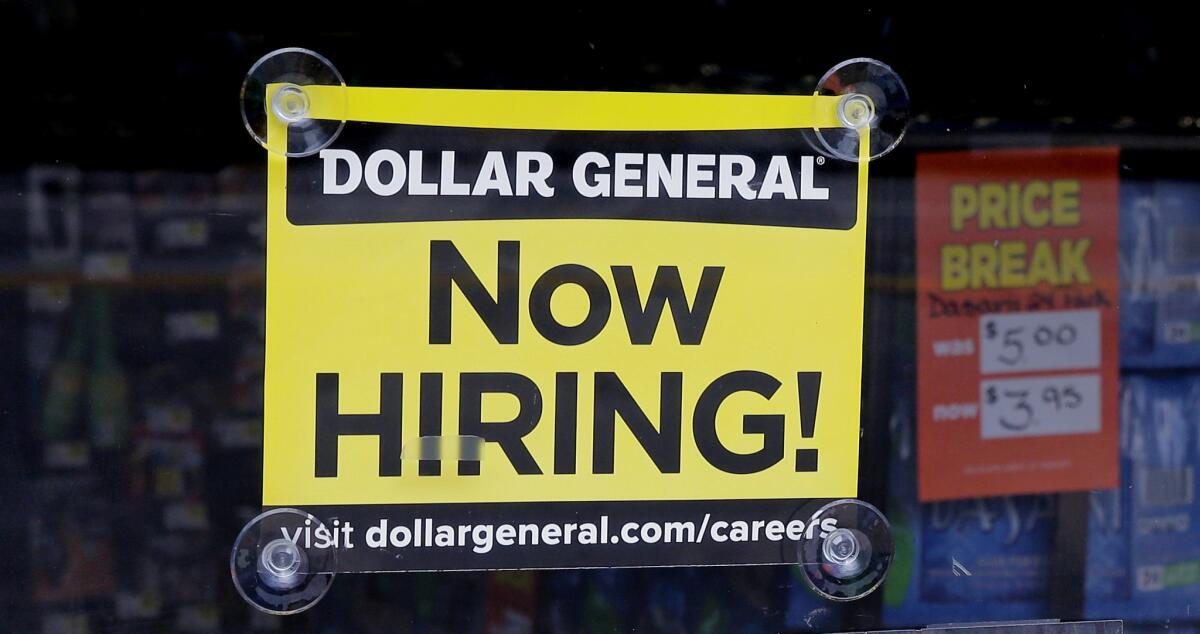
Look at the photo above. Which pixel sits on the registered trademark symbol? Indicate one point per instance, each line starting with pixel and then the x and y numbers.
pixel 820 160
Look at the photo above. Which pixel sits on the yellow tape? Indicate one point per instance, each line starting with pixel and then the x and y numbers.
pixel 546 110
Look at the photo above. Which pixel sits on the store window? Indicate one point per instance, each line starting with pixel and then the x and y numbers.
pixel 1030 342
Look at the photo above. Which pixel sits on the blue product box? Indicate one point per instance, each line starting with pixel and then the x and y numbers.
pixel 973 560
pixel 1138 305
pixel 1153 521
pixel 1177 328
pixel 1160 274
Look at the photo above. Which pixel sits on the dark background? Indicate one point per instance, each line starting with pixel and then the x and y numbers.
pixel 101 83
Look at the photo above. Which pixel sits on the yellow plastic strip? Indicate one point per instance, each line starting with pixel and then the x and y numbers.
pixel 571 110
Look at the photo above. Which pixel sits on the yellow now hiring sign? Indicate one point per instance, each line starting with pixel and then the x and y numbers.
pixel 510 297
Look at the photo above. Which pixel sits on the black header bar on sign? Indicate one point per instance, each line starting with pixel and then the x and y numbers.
pixel 401 173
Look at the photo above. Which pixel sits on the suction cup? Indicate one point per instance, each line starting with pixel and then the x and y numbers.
pixel 292 69
pixel 276 574
pixel 873 97
pixel 851 555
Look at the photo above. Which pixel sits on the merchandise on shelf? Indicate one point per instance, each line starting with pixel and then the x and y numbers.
pixel 984 559
pixel 1160 274
pixel 1144 537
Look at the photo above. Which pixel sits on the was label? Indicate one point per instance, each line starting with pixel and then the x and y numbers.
pixel 520 329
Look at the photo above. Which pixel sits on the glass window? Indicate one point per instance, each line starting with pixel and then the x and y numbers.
pixel 1031 350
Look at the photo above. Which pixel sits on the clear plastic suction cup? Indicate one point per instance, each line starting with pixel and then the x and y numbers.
pixel 272 569
pixel 872 96
pixel 291 70
pixel 850 557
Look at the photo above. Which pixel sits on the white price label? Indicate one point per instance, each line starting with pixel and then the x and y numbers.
pixel 193 326
pixel 48 298
pixel 67 455
pixel 106 266
pixel 1150 579
pixel 65 623
pixel 185 516
pixel 1042 406
pixel 182 233
pixel 1025 342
